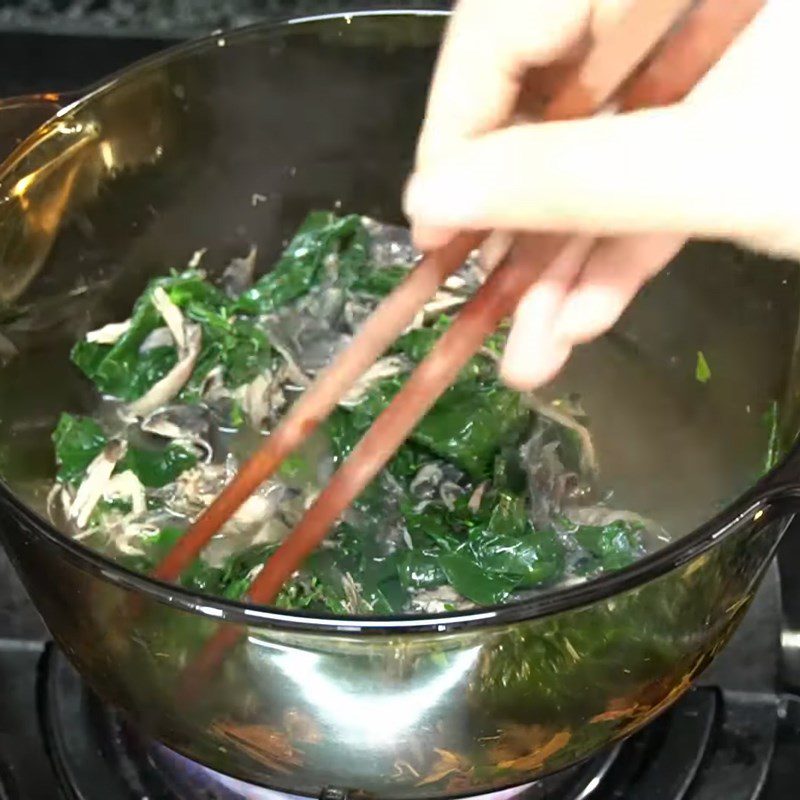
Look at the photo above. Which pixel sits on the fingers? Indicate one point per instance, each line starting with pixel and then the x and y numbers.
pixel 578 298
pixel 482 69
pixel 751 67
pixel 611 277
pixel 482 64
pixel 533 355
pixel 665 170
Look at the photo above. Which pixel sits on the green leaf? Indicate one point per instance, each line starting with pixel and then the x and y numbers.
pixel 533 560
pixel 509 517
pixel 88 356
pixel 467 426
pixel 321 236
pixel 379 282
pixel 508 545
pixel 121 370
pixel 471 581
pixel 430 525
pixel 470 423
pixel 236 343
pixel 345 429
pixel 199 576
pixel 236 571
pixel 419 569
pixel 297 469
pixel 612 546
pixel 156 468
pixel 417 343
pixel 78 441
pixel 702 371
pixel 387 598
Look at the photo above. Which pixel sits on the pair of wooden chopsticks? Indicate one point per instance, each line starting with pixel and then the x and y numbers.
pixel 654 57
pixel 632 64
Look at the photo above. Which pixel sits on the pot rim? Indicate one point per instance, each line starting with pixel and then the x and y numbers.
pixel 757 502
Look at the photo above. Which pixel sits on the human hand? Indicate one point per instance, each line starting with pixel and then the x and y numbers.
pixel 720 164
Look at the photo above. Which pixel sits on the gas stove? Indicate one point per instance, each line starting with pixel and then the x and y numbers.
pixel 736 736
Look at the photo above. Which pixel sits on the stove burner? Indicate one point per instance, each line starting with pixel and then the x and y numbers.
pixel 192 779
pixel 714 744
pixel 195 779
pixel 99 757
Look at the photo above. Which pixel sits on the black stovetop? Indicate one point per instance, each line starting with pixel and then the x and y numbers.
pixel 736 736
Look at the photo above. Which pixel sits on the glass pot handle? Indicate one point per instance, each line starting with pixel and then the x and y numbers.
pixel 20 116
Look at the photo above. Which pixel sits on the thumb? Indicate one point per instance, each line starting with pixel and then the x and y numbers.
pixel 662 170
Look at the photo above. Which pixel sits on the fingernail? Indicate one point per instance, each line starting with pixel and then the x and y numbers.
pixel 571 314
pixel 440 200
pixel 426 238
pixel 532 356
pixel 586 315
pixel 535 370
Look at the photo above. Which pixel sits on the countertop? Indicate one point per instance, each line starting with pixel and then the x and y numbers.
pixel 172 19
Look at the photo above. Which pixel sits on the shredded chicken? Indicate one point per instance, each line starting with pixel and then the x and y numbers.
pixel 293 371
pixel 197 257
pixel 59 502
pixel 127 486
pixel 185 425
pixel 262 398
pixel 96 482
pixel 449 493
pixel 354 602
pixel 476 498
pixel 172 316
pixel 589 461
pixel 385 368
pixel 188 339
pixel 133 536
pixel 213 386
pixel 238 275
pixel 170 385
pixel 435 601
pixel 109 334
pixel 160 337
pixel 443 301
pixel 194 489
pixel 426 481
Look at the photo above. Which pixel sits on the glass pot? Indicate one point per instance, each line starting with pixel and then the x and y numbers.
pixel 229 141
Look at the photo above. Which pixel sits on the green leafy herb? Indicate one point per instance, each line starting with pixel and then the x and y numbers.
pixel 236 343
pixel 473 582
pixel 471 422
pixel 199 576
pixel 702 372
pixel 379 282
pixel 156 468
pixel 478 537
pixel 612 546
pixel 78 441
pixel 321 236
pixel 122 370
pixel 421 569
